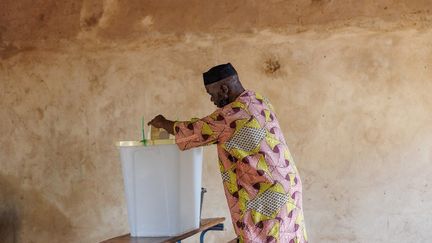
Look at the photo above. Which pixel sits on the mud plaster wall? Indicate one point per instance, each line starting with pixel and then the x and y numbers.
pixel 351 81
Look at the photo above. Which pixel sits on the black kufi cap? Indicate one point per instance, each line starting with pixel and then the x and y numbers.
pixel 219 72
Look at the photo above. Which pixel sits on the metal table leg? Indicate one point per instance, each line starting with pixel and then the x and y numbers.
pixel 218 227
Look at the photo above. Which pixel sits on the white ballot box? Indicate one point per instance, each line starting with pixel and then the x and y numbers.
pixel 163 187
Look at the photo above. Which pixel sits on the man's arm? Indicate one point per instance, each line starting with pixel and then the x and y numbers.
pixel 161 122
pixel 196 132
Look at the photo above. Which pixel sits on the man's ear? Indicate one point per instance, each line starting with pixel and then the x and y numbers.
pixel 224 88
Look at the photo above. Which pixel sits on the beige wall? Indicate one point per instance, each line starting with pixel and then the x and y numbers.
pixel 350 80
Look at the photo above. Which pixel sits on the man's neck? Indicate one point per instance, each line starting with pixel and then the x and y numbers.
pixel 236 93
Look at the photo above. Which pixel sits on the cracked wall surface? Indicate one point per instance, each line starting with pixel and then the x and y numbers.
pixel 350 81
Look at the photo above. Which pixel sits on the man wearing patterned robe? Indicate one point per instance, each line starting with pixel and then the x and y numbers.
pixel 261 182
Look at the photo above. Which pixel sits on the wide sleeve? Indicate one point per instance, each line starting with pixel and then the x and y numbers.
pixel 200 132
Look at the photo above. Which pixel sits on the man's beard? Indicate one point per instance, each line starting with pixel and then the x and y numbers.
pixel 223 102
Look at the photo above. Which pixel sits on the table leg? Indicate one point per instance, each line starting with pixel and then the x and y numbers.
pixel 218 227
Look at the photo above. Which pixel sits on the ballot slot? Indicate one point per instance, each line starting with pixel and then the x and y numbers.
pixel 162 187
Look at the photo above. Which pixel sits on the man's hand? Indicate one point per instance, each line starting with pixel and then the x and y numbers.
pixel 158 121
pixel 161 122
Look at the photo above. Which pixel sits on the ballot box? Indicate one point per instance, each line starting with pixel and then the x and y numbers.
pixel 162 187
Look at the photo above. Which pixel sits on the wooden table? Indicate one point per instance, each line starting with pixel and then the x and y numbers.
pixel 206 225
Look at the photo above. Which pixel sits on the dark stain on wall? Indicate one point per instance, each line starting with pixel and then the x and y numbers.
pixel 50 19
pixel 271 65
pixel 92 20
pixel 10 50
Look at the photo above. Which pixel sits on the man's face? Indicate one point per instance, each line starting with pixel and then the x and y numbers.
pixel 218 95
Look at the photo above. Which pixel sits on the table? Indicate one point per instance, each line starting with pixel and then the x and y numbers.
pixel 205 226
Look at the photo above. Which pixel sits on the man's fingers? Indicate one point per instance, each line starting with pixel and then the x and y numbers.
pixel 153 120
pixel 157 121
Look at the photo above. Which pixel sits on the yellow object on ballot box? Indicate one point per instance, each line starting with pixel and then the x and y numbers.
pixel 158 133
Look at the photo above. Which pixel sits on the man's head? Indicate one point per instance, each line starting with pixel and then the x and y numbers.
pixel 222 84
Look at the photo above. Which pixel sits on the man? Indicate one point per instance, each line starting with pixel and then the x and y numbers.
pixel 261 182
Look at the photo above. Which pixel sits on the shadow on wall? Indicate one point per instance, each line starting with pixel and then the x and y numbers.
pixel 9 224
pixel 9 210
pixel 21 209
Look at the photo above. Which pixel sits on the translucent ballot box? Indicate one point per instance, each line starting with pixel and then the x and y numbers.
pixel 163 187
